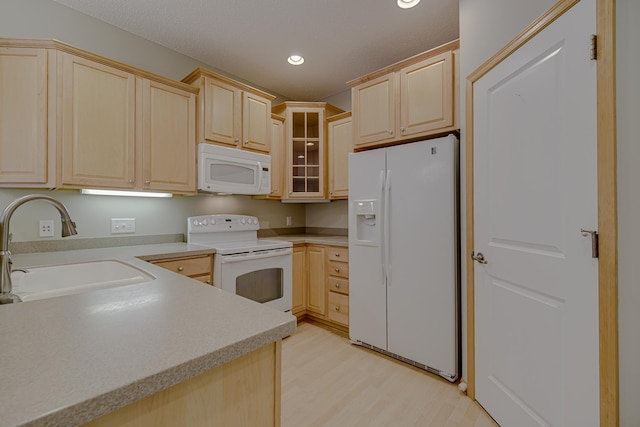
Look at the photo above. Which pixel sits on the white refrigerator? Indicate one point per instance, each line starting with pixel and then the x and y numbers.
pixel 403 253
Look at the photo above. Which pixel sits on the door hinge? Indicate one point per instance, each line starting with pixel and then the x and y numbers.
pixel 594 47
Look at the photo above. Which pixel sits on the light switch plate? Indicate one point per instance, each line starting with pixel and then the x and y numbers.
pixel 123 225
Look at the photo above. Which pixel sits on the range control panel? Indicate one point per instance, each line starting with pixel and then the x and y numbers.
pixel 221 223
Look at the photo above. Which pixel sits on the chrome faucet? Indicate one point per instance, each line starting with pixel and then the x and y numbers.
pixel 68 229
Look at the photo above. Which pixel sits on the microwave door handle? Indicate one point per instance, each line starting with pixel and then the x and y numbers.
pixel 259 176
pixel 254 256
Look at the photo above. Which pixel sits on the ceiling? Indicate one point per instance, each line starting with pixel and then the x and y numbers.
pixel 339 39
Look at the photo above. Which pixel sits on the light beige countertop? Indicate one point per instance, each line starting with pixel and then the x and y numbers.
pixel 70 359
pixel 318 239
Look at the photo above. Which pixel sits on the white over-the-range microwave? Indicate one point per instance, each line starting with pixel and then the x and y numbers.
pixel 233 171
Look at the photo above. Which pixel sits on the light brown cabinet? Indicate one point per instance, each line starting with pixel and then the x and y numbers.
pixel 299 280
pixel 339 145
pixel 305 147
pixel 321 284
pixel 120 130
pixel 277 157
pixel 408 100
pixel 88 121
pixel 199 267
pixel 231 113
pixel 27 117
pixel 316 292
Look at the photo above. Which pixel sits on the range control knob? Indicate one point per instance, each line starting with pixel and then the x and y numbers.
pixel 255 221
pixel 195 222
pixel 212 221
pixel 242 220
pixel 205 222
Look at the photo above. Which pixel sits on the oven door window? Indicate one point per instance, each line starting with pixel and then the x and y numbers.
pixel 262 285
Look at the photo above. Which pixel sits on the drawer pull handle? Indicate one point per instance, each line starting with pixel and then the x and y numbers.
pixel 337 285
pixel 337 254
pixel 337 270
pixel 180 268
pixel 337 308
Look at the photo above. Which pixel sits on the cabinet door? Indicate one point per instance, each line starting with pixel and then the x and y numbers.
pixel 256 122
pixel 98 125
pixel 339 144
pixel 426 95
pixel 168 138
pixel 24 113
pixel 277 158
pixel 374 110
pixel 299 295
pixel 222 113
pixel 305 153
pixel 316 293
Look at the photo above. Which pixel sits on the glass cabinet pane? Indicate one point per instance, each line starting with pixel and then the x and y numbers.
pixel 313 128
pixel 299 125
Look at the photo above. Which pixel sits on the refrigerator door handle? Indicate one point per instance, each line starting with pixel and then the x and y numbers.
pixel 386 227
pixel 381 222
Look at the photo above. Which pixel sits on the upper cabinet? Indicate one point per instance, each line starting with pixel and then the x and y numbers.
pixel 409 100
pixel 27 117
pixel 305 148
pixel 339 145
pixel 231 113
pixel 82 120
pixel 278 161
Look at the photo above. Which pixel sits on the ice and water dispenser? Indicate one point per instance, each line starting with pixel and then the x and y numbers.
pixel 366 217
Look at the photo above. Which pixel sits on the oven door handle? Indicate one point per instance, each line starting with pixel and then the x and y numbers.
pixel 225 259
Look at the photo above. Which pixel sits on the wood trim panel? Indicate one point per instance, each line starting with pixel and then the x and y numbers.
pixel 607 199
pixel 200 72
pixel 608 213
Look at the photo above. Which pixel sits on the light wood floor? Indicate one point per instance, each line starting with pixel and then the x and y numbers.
pixel 327 381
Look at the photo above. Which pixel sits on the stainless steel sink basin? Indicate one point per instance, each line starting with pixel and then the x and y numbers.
pixel 57 280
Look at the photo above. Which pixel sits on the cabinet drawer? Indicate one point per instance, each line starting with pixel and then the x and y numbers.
pixel 339 308
pixel 339 269
pixel 204 279
pixel 338 254
pixel 188 266
pixel 338 284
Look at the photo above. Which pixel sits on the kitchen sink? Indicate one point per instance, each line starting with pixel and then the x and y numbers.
pixel 66 279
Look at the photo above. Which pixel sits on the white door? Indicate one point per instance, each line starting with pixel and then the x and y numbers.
pixel 535 183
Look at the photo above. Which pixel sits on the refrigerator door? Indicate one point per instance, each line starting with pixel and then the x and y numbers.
pixel 422 288
pixel 367 290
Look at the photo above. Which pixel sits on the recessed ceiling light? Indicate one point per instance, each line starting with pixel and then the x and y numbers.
pixel 295 59
pixel 406 4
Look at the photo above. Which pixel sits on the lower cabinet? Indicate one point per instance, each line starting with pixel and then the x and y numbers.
pixel 199 267
pixel 321 284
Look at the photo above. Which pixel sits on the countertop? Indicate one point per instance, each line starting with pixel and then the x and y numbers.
pixel 70 359
pixel 318 239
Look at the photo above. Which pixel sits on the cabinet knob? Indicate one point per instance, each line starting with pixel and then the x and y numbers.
pixel 337 254
pixel 180 268
pixel 147 182
pixel 402 129
pixel 246 143
pixel 208 281
pixel 337 270
pixel 131 181
pixel 236 140
pixel 337 285
pixel 390 132
pixel 337 308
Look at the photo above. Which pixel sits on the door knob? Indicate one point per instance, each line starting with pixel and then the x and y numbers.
pixel 479 257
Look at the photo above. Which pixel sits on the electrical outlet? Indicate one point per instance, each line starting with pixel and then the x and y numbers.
pixel 288 220
pixel 46 228
pixel 123 225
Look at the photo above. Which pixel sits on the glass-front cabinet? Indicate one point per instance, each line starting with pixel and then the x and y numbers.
pixel 305 148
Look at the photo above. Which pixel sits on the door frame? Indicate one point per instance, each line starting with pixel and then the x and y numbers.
pixel 607 198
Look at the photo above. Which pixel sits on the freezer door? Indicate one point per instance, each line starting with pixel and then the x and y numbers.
pixel 422 288
pixel 367 291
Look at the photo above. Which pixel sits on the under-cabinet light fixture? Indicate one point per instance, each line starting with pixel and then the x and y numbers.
pixel 96 192
pixel 295 60
pixel 406 4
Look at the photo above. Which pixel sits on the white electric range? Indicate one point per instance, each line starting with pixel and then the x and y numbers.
pixel 258 269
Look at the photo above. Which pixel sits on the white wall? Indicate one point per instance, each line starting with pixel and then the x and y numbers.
pixel 485 27
pixel 47 19
pixel 628 105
